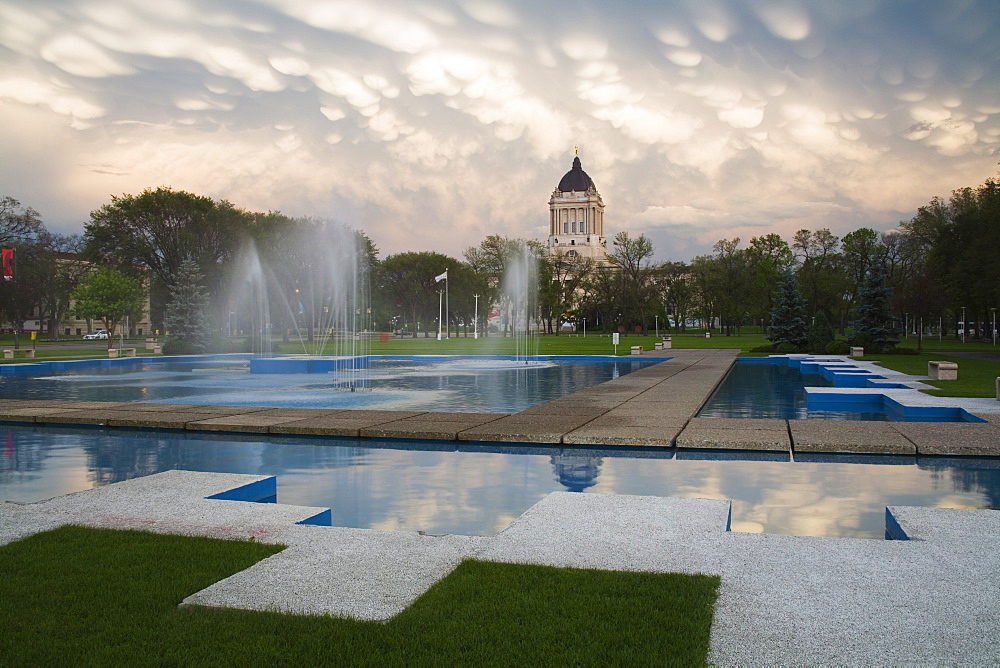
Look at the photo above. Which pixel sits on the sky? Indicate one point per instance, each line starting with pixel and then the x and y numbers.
pixel 430 124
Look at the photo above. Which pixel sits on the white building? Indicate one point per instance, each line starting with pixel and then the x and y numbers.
pixel 576 217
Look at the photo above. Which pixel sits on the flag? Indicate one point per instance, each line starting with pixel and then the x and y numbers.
pixel 8 264
pixel 442 277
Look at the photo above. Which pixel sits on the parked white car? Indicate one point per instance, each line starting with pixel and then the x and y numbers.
pixel 96 334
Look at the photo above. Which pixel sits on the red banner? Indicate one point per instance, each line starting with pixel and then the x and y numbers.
pixel 8 264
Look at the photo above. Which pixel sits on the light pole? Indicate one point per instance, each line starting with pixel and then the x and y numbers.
pixel 994 311
pixel 475 323
pixel 906 325
pixel 657 326
pixel 963 325
pixel 584 328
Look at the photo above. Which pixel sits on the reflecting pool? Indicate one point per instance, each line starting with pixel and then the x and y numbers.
pixel 767 391
pixel 477 489
pixel 443 384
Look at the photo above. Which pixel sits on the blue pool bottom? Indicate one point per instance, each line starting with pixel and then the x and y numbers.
pixel 776 387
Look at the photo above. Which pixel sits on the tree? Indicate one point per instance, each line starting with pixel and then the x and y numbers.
pixel 788 323
pixel 729 276
pixel 873 328
pixel 600 302
pixel 768 257
pixel 18 224
pixel 187 318
pixel 110 296
pixel 561 279
pixel 488 261
pixel 636 291
pixel 961 237
pixel 408 281
pixel 821 334
pixel 917 289
pixel 674 281
pixel 157 229
pixel 820 273
pixel 55 273
pixel 862 251
pixel 20 229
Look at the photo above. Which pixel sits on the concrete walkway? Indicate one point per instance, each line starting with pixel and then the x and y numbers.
pixel 782 599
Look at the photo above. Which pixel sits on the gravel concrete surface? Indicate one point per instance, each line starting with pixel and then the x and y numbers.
pixel 783 599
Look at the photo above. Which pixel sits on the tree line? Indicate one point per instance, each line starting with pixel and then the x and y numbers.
pixel 174 242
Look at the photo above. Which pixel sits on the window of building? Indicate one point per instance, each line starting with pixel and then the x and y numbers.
pixel 565 228
pixel 67 331
pixel 574 228
pixel 571 253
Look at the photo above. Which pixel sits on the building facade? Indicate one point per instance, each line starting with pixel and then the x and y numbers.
pixel 576 217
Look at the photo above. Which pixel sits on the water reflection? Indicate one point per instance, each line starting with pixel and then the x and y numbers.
pixel 575 472
pixel 467 489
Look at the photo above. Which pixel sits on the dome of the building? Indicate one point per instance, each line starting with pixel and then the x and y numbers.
pixel 576 180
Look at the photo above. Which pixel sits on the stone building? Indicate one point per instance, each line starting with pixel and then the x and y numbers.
pixel 576 217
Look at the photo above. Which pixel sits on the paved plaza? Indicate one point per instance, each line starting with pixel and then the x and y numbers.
pixel 931 598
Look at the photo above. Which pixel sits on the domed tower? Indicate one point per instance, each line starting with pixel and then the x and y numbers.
pixel 576 217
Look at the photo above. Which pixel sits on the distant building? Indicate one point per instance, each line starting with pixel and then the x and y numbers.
pixel 72 327
pixel 576 217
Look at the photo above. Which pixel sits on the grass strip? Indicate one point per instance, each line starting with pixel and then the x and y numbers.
pixel 976 378
pixel 83 596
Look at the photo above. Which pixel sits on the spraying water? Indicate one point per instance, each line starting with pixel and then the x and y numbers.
pixel 312 290
pixel 519 301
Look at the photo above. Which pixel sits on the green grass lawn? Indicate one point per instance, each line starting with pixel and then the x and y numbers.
pixel 542 345
pixel 976 378
pixel 76 595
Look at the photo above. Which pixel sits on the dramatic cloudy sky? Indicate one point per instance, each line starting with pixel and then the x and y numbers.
pixel 433 123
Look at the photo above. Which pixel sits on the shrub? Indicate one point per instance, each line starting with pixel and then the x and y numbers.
pixel 222 344
pixel 863 340
pixel 895 350
pixel 786 348
pixel 179 347
pixel 837 348
pixel 769 348
pixel 821 333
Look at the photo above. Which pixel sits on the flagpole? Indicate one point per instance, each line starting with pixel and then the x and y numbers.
pixel 447 330
pixel 439 314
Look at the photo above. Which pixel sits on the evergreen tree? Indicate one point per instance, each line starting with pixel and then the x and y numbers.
pixel 821 333
pixel 873 328
pixel 186 317
pixel 788 323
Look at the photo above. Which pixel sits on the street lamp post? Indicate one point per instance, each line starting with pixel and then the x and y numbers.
pixel 994 311
pixel 906 325
pixel 475 322
pixel 657 326
pixel 584 328
pixel 964 327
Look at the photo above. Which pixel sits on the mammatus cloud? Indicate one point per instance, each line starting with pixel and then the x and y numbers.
pixel 432 123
